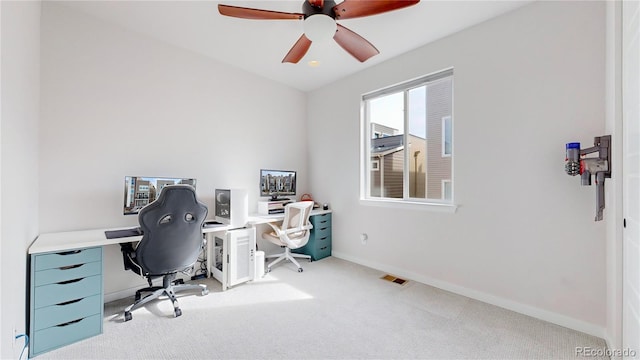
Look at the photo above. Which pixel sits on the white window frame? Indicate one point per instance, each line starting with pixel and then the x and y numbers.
pixel 365 145
pixel 443 187
pixel 444 135
pixel 375 165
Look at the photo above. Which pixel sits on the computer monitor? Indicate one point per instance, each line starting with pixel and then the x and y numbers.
pixel 140 191
pixel 275 183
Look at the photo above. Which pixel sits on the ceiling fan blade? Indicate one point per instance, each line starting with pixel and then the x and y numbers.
pixel 354 44
pixel 257 14
pixel 298 50
pixel 316 3
pixel 349 9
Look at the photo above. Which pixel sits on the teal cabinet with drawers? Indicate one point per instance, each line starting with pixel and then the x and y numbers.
pixel 65 298
pixel 319 245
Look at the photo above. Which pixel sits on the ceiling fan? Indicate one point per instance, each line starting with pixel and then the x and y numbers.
pixel 320 23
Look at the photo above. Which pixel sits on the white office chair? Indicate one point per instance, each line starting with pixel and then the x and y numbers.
pixel 292 234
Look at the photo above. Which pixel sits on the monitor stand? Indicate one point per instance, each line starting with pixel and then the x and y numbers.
pixel 276 198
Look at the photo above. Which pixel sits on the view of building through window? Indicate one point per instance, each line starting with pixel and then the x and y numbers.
pixel 409 140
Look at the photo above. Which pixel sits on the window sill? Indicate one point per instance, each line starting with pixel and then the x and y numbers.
pixel 411 205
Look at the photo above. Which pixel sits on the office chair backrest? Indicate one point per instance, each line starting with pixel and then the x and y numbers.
pixel 172 231
pixel 296 215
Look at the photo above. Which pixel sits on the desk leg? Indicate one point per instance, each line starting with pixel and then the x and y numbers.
pixel 209 253
pixel 220 274
pixel 225 262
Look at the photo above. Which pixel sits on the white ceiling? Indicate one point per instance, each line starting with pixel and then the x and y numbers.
pixel 258 46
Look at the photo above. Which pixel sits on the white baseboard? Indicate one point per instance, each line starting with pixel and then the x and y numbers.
pixel 532 311
pixel 121 294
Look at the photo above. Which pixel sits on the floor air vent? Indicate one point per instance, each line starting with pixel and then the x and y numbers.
pixel 394 279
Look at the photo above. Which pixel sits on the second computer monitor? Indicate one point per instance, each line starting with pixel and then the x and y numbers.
pixel 276 183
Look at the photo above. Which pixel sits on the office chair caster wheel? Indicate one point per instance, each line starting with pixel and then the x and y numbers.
pixel 205 292
pixel 268 270
pixel 299 269
pixel 177 312
pixel 127 316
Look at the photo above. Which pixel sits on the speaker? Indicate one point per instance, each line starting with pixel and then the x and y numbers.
pixel 259 265
pixel 232 207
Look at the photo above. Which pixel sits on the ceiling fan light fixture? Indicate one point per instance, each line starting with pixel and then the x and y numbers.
pixel 320 24
pixel 319 27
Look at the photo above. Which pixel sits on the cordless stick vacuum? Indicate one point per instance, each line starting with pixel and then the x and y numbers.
pixel 599 166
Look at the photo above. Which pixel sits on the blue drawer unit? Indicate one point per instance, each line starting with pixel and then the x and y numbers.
pixel 65 298
pixel 319 245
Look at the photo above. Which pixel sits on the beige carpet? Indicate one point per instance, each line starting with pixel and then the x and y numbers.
pixel 333 310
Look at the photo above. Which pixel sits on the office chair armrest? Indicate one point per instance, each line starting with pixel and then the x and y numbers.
pixel 276 228
pixel 296 230
pixel 279 231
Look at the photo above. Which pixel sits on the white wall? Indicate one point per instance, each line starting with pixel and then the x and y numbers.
pixel 523 237
pixel 613 192
pixel 117 103
pixel 19 101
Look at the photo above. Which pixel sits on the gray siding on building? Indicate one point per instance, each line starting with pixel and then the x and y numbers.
pixel 417 167
pixel 393 175
pixel 439 105
pixel 387 181
pixel 375 178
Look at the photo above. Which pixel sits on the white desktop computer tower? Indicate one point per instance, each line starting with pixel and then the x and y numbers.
pixel 232 257
pixel 232 207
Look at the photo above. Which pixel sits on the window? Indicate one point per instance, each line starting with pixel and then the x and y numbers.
pixel 375 165
pixel 446 136
pixel 446 190
pixel 407 141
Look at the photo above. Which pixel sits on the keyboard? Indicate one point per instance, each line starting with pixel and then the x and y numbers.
pixel 115 234
pixel 212 223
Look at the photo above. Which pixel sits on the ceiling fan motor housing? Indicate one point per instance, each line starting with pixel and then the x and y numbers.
pixel 326 9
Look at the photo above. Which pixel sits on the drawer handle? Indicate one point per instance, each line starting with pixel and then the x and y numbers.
pixel 69 281
pixel 324 238
pixel 324 229
pixel 69 302
pixel 323 248
pixel 323 221
pixel 70 322
pixel 70 267
pixel 72 252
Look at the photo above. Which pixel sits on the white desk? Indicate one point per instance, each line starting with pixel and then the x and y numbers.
pixel 69 240
pixel 86 246
pixel 66 297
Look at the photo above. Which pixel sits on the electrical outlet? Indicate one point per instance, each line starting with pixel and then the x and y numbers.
pixel 363 238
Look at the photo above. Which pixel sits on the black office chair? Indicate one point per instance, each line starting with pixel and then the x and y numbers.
pixel 172 241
